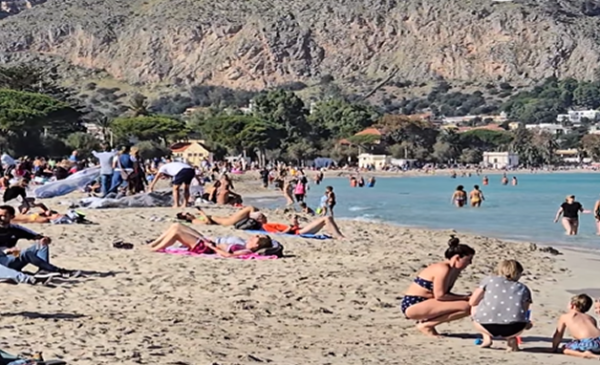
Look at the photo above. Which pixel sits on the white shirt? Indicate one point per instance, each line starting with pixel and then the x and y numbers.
pixel 173 168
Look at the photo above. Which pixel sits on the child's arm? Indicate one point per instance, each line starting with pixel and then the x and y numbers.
pixel 559 333
pixel 476 297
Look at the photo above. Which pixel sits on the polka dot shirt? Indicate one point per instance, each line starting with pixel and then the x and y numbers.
pixel 503 301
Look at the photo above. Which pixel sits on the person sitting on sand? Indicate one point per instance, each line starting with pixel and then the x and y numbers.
pixel 198 243
pixel 429 300
pixel 250 212
pixel 306 209
pixel 37 255
pixel 476 197
pixel 570 210
pixel 182 174
pixel 583 328
pixel 500 305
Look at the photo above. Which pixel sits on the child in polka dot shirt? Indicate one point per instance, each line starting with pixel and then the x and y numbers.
pixel 501 304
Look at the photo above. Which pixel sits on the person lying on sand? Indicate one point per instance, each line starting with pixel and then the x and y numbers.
pixel 583 328
pixel 198 243
pixel 250 212
pixel 429 300
pixel 46 216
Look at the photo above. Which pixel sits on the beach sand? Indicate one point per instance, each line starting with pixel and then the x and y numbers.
pixel 330 302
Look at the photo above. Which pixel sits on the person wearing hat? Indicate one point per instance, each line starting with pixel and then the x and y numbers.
pixel 570 210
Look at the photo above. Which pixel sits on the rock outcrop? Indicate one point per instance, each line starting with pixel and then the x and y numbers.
pixel 256 43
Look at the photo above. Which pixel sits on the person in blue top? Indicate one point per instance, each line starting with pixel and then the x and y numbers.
pixel 122 168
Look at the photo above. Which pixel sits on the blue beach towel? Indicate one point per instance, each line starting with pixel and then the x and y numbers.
pixel 308 235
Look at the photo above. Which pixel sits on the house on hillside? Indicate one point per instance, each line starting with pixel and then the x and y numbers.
pixel 366 132
pixel 192 152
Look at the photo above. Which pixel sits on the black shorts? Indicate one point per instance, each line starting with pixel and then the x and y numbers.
pixel 299 197
pixel 504 330
pixel 185 177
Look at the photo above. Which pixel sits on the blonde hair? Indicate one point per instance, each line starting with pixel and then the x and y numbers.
pixel 510 269
pixel 582 302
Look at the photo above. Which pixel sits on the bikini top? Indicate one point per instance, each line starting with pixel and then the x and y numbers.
pixel 428 285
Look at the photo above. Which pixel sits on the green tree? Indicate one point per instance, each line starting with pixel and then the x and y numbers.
pixel 470 156
pixel 150 128
pixel 485 140
pixel 337 118
pixel 587 95
pixel 83 142
pixel 301 151
pixel 151 149
pixel 33 115
pixel 283 109
pixel 590 143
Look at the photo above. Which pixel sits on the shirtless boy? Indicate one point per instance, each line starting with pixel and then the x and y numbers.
pixel 582 327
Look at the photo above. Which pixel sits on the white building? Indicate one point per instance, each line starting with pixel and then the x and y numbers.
pixel 500 160
pixel 575 116
pixel 594 129
pixel 367 160
pixel 556 129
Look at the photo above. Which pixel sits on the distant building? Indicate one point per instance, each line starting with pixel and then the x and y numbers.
pixel 192 152
pixel 594 129
pixel 575 116
pixel 500 160
pixel 571 155
pixel 366 132
pixel 367 160
pixel 556 129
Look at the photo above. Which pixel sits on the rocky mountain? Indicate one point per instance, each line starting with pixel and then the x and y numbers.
pixel 252 44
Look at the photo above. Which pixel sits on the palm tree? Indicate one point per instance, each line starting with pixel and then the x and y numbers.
pixel 103 122
pixel 138 104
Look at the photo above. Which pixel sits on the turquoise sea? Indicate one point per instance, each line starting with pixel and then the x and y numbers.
pixel 524 212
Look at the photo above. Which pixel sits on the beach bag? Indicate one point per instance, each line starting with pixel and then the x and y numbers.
pixel 248 224
pixel 276 250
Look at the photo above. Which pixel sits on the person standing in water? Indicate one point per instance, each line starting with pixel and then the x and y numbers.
pixel 514 181
pixel 486 180
pixel 504 179
pixel 597 216
pixel 570 210
pixel 459 198
pixel 476 197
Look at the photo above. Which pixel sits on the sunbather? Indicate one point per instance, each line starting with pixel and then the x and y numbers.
pixel 222 246
pixel 46 216
pixel 314 227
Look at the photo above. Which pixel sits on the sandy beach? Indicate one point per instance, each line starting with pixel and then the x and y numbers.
pixel 329 302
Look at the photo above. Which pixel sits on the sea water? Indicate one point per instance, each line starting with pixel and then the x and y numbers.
pixel 524 212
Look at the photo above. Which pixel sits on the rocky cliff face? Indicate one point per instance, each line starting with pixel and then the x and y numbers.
pixel 257 43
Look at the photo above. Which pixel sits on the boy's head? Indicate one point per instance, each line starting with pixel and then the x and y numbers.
pixel 510 269
pixel 581 303
pixel 302 205
pixel 329 189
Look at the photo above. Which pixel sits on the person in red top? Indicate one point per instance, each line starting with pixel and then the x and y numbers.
pixel 314 227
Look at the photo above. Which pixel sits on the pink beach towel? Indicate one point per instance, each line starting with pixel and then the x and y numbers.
pixel 186 252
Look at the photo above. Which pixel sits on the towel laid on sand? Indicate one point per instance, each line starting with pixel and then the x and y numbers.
pixel 186 252
pixel 307 235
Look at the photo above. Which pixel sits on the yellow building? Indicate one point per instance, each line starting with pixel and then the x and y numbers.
pixel 192 152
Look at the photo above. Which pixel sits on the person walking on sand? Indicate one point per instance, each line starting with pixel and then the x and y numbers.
pixel 459 198
pixel 476 197
pixel 570 210
pixel 429 300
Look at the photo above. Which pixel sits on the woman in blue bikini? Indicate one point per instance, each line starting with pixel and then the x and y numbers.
pixel 428 299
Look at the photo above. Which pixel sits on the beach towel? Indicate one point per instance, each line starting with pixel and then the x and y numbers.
pixel 186 252
pixel 307 235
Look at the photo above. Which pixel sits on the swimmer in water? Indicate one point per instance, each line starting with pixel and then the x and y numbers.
pixel 371 182
pixel 476 197
pixel 486 180
pixel 514 181
pixel 353 182
pixel 504 179
pixel 361 182
pixel 459 198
